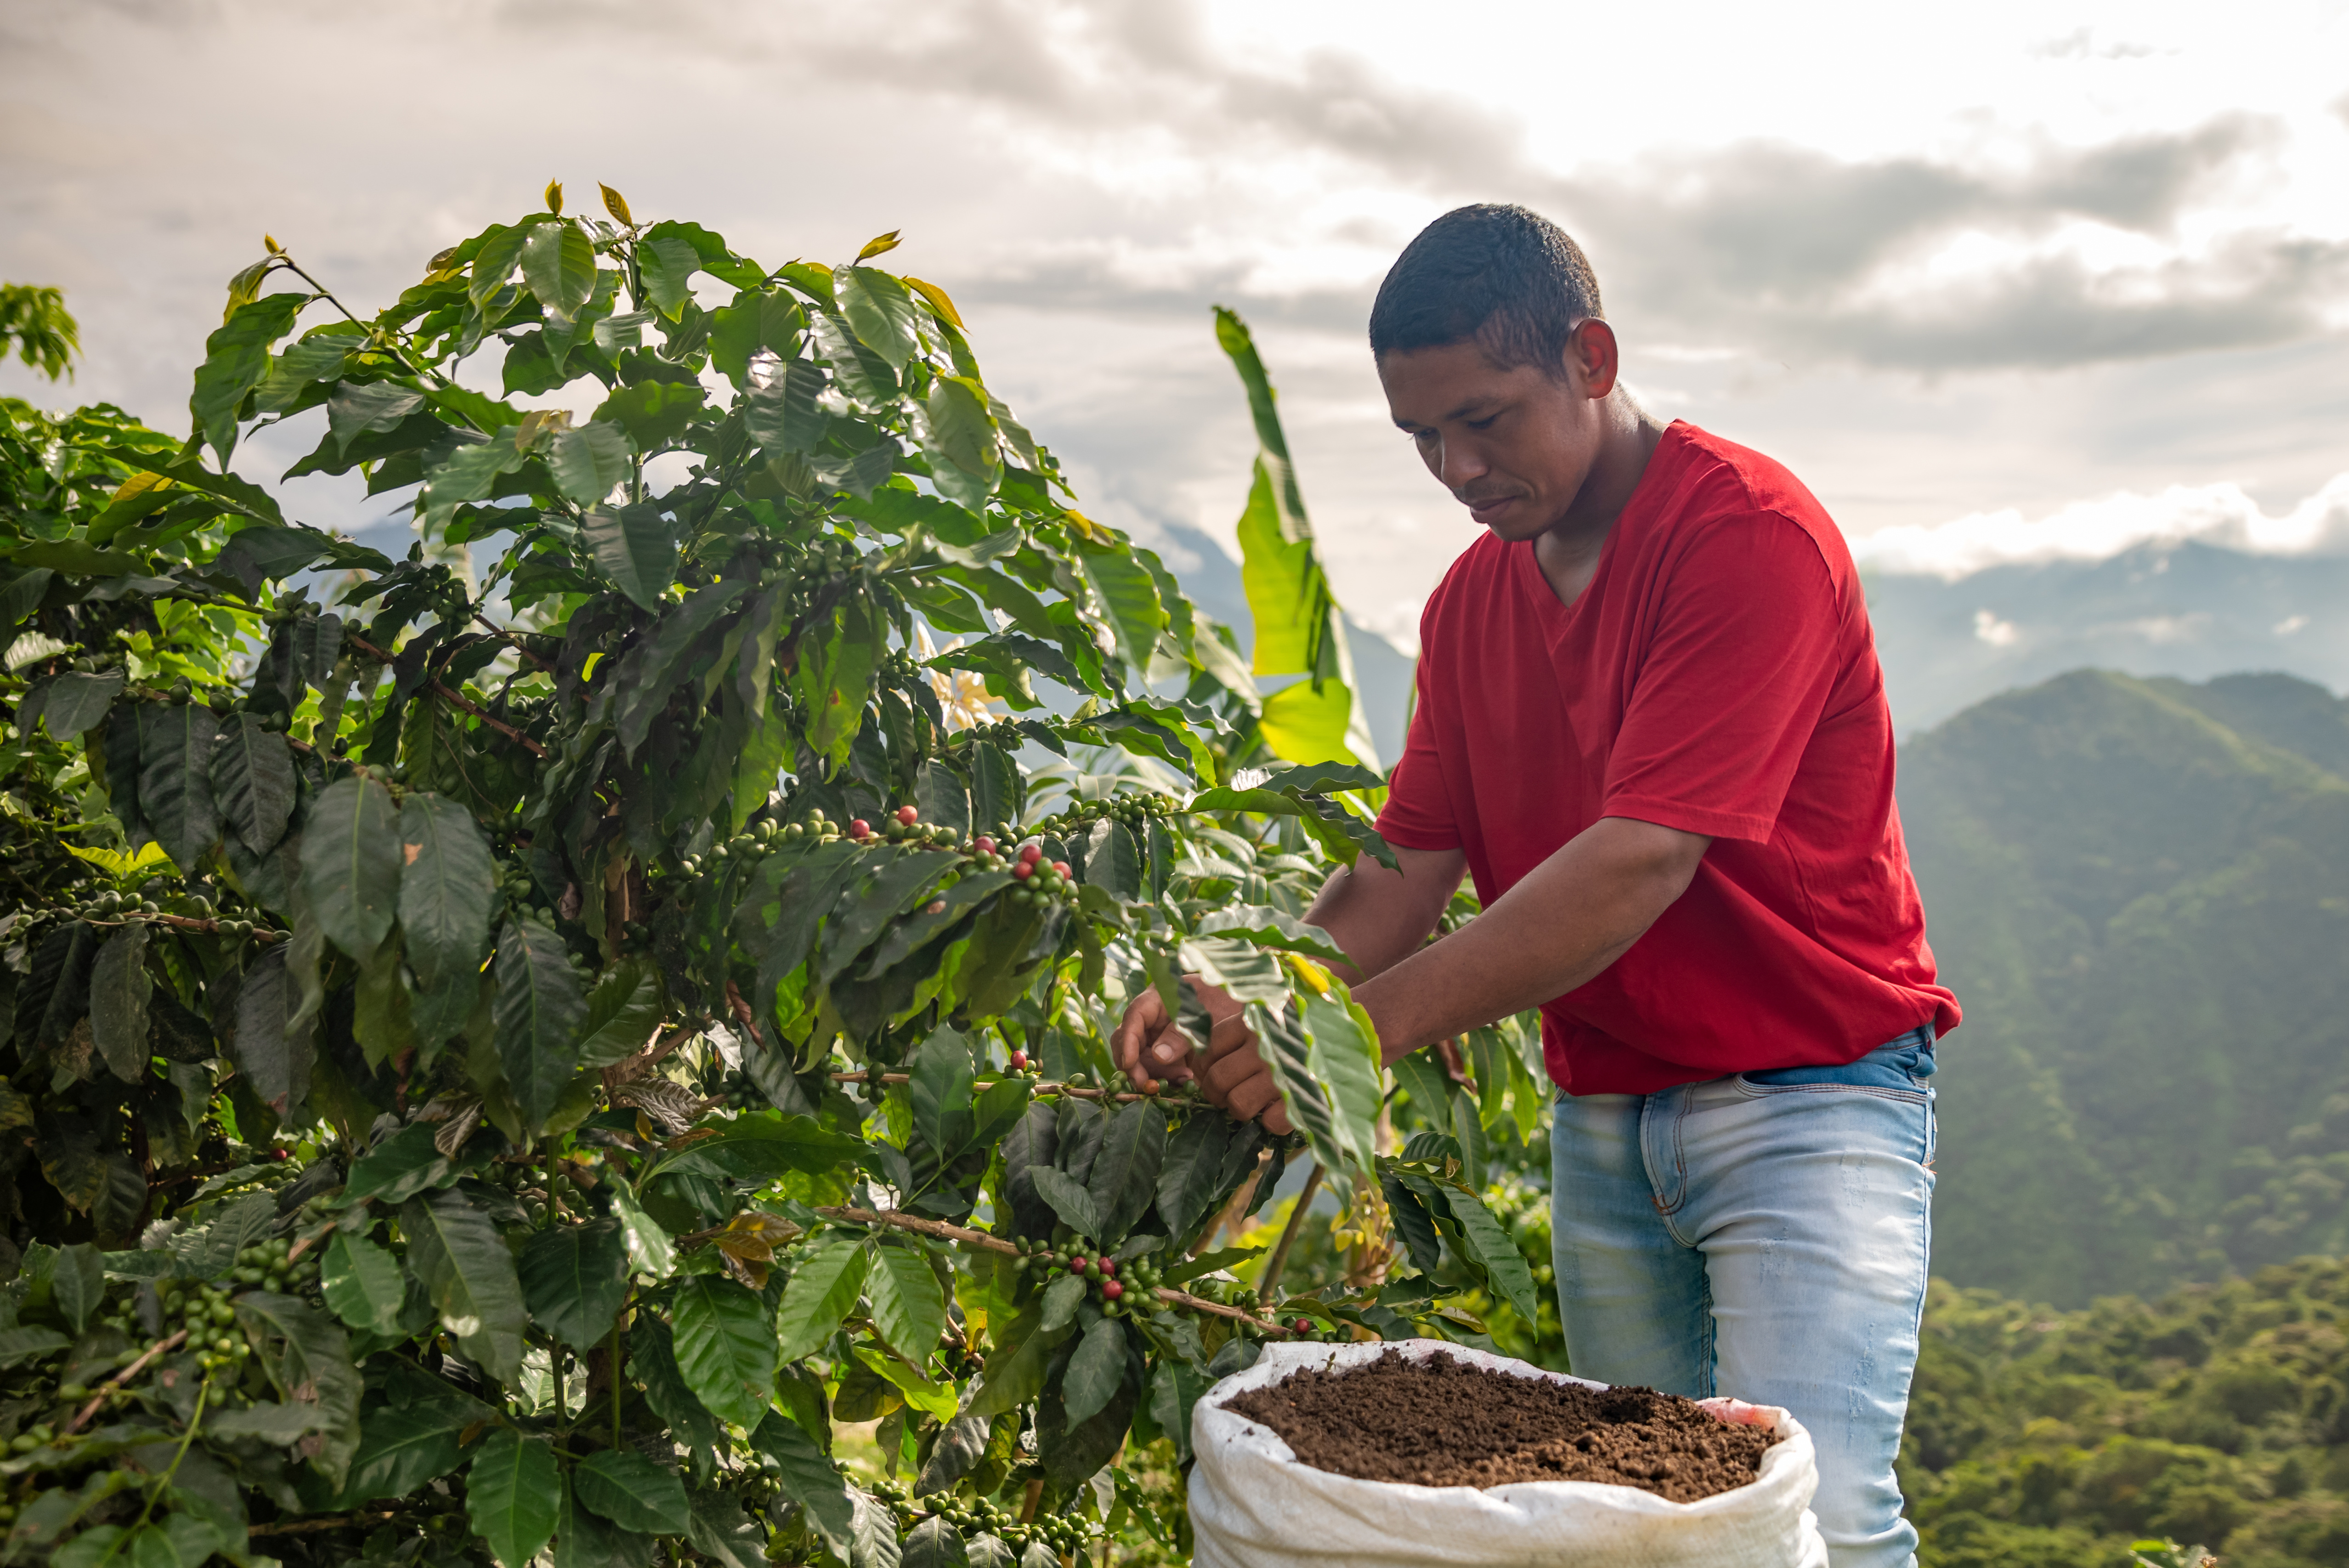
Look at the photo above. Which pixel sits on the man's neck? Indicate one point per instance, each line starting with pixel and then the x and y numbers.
pixel 1569 553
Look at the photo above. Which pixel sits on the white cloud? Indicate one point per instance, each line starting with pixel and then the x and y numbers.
pixel 2220 514
pixel 1998 634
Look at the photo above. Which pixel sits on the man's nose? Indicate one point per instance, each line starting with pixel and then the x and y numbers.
pixel 1460 464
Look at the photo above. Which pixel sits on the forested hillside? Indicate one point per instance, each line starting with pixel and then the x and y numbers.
pixel 2140 890
pixel 2217 1417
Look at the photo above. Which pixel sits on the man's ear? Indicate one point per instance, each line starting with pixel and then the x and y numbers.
pixel 1592 361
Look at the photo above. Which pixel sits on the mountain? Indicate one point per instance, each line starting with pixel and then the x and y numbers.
pixel 2139 889
pixel 2189 610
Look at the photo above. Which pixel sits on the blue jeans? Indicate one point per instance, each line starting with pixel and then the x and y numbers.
pixel 1762 1236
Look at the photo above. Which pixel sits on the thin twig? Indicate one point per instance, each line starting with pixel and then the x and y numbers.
pixel 1280 1259
pixel 307 1526
pixel 1042 1086
pixel 119 1379
pixel 513 641
pixel 455 699
pixel 980 1239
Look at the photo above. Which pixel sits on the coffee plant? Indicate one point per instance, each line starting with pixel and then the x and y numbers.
pixel 513 1066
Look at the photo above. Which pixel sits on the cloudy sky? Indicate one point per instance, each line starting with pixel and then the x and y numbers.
pixel 2008 282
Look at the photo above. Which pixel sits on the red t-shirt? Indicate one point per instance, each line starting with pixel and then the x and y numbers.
pixel 1718 677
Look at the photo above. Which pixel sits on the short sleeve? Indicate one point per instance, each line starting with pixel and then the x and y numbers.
pixel 1730 682
pixel 1418 812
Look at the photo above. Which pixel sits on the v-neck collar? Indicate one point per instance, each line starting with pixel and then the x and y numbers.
pixel 1562 618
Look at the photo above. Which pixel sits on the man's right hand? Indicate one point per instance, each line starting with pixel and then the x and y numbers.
pixel 1148 1045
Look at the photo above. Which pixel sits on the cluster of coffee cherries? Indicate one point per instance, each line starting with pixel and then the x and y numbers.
pixel 205 1311
pixel 735 1090
pixel 977 1516
pixel 1113 1282
pixel 1135 810
pixel 1037 880
pixel 155 898
pixel 905 826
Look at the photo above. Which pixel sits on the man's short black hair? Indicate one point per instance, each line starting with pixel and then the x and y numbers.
pixel 1506 277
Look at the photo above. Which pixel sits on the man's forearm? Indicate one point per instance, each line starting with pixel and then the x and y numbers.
pixel 1380 917
pixel 1558 929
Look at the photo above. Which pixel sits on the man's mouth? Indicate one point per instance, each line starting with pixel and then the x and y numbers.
pixel 1484 509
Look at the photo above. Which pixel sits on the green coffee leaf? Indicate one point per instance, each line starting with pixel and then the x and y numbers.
pixel 822 1290
pixel 363 1282
pixel 879 311
pixel 667 265
pixel 308 1360
pixel 574 1279
pixel 809 1478
pixel 933 1543
pixel 118 990
pixel 78 1284
pixel 909 1306
pixel 1071 1200
pixel 535 1015
pixel 623 1011
pixel 1128 600
pixel 1190 1175
pixel 1061 1299
pixel 584 1541
pixel 652 1356
pixel 236 360
pixel 401 1449
pixel 633 546
pixel 651 1249
pixel 457 1253
pixel 175 789
pixel 783 414
pixel 1123 1182
pixel 1174 1388
pixel 1493 1249
pixel 1016 1367
pixel 272 1051
pixel 1094 1371
pixel 1269 927
pixel 69 703
pixel 512 1495
pixel 559 264
pixel 725 1347
pixel 252 777
pixel 350 863
pixel 632 1492
pixel 445 890
pixel 723 1532
pixel 941 1093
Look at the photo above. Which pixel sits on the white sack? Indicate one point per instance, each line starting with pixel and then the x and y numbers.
pixel 1252 1505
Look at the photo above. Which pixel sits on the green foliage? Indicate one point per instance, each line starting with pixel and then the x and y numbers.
pixel 2217 1416
pixel 2135 889
pixel 35 322
pixel 478 1049
pixel 1300 630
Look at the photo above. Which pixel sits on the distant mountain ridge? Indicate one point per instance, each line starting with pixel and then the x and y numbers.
pixel 2188 610
pixel 2192 611
pixel 2139 889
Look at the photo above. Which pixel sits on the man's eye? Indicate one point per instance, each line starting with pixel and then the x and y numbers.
pixel 1483 424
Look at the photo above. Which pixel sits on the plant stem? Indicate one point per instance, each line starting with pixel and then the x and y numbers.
pixel 163 1482
pixel 614 1370
pixel 1280 1259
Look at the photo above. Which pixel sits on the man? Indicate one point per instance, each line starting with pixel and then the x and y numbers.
pixel 1652 724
